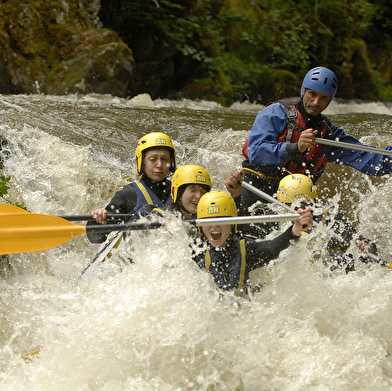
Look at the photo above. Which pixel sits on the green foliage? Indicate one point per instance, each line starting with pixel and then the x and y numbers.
pixel 3 185
pixel 243 44
pixel 380 31
pixel 386 93
pixel 4 180
pixel 246 39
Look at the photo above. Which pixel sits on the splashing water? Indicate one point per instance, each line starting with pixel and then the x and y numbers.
pixel 159 323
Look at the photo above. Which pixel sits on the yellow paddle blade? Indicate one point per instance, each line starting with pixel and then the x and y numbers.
pixel 30 355
pixel 30 232
pixel 7 209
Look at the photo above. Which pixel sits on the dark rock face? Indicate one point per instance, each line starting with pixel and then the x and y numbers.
pixel 58 47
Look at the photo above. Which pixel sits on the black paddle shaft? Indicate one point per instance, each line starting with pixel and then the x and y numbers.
pixel 107 228
pixel 109 217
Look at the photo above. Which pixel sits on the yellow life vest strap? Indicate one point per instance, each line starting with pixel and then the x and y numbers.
pixel 260 174
pixel 243 266
pixel 207 259
pixel 118 242
pixel 145 192
pixel 159 210
pixel 325 214
pixel 125 179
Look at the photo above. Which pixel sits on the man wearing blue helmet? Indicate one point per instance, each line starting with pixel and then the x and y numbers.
pixel 282 140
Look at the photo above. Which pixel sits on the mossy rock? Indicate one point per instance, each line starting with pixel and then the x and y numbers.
pixel 273 84
pixel 55 45
pixel 356 77
pixel 218 89
pixel 103 69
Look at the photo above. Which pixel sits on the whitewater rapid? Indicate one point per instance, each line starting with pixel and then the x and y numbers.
pixel 160 324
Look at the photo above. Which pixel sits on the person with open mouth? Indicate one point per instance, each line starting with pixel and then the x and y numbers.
pixel 230 258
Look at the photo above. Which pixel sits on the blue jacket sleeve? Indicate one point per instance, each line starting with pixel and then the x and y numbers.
pixel 265 152
pixel 366 162
pixel 263 147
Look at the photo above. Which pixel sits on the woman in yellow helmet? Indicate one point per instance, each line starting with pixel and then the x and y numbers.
pixel 155 159
pixel 189 184
pixel 230 258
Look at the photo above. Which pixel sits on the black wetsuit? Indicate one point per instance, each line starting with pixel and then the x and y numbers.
pixel 125 201
pixel 226 261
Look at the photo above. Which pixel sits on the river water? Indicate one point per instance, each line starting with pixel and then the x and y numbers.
pixel 159 324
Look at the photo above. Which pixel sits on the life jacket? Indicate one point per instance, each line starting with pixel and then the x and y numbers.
pixel 313 161
pixel 145 196
pixel 239 276
pixel 245 149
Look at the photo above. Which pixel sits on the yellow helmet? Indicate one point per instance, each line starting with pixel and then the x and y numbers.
pixel 154 140
pixel 296 187
pixel 216 204
pixel 189 174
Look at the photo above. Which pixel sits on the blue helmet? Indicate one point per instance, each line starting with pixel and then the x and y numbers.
pixel 322 80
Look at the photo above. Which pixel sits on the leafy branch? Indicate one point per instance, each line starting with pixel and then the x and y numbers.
pixel 4 180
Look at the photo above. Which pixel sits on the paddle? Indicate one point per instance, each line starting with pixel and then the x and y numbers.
pixel 12 209
pixel 30 232
pixel 7 209
pixel 109 217
pixel 263 195
pixel 340 144
pixel 267 197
